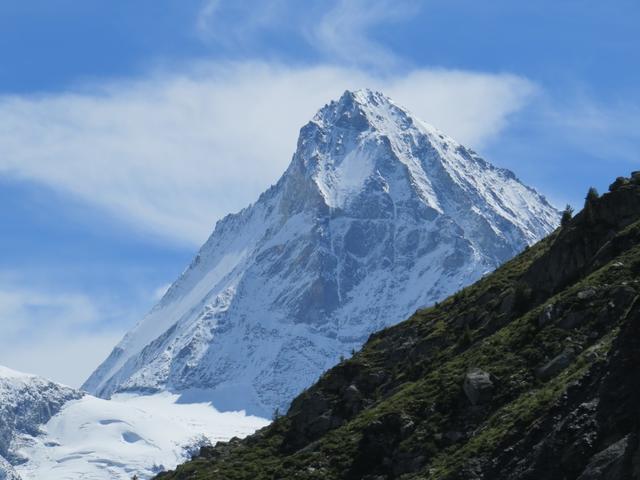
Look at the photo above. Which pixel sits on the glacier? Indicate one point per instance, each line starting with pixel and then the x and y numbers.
pixel 377 215
pixel 50 431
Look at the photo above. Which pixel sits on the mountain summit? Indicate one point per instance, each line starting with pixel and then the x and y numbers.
pixel 377 214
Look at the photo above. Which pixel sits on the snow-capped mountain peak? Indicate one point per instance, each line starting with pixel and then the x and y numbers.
pixel 377 214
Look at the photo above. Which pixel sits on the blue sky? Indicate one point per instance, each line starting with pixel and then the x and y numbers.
pixel 127 128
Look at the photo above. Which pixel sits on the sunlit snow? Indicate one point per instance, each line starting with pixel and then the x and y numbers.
pixel 96 439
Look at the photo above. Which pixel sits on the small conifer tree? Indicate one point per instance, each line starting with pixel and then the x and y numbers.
pixel 567 215
pixel 592 195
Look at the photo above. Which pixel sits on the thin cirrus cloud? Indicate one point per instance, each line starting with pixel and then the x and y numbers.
pixel 172 153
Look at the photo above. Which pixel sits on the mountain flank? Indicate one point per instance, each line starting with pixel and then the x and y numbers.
pixel 533 372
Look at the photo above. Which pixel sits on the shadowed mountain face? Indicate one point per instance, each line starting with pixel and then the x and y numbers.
pixel 377 215
pixel 531 373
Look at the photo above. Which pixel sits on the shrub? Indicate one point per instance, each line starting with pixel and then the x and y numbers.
pixel 465 338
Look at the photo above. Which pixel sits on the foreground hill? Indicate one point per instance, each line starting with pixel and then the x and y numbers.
pixel 377 215
pixel 531 373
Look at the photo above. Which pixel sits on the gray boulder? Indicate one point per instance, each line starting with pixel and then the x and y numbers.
pixel 478 386
pixel 587 294
pixel 556 365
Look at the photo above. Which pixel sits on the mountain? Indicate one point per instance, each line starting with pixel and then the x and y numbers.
pixel 531 373
pixel 49 431
pixel 377 214
pixel 26 402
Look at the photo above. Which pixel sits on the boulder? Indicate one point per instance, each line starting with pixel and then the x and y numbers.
pixel 587 294
pixel 352 399
pixel 478 386
pixel 556 365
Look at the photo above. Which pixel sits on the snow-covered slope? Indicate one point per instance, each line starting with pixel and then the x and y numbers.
pixel 96 439
pixel 378 214
pixel 53 432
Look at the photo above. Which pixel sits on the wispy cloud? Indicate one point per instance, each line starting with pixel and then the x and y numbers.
pixel 56 335
pixel 205 19
pixel 172 153
pixel 238 23
pixel 344 32
pixel 340 31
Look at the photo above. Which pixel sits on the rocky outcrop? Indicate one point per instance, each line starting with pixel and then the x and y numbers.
pixel 6 471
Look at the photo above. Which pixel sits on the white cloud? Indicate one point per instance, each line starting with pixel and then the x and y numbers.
pixel 344 32
pixel 172 153
pixel 54 335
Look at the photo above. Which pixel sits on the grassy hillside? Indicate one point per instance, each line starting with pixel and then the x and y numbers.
pixel 531 373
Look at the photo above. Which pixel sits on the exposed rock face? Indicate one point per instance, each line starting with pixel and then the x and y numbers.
pixel 609 464
pixel 576 418
pixel 377 215
pixel 6 471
